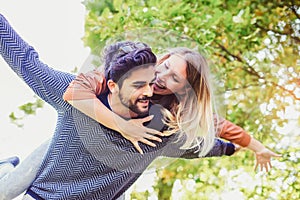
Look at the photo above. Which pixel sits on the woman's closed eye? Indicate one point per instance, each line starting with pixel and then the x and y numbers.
pixel 175 78
pixel 166 66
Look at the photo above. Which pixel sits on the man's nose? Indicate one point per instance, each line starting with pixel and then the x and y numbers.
pixel 160 77
pixel 148 91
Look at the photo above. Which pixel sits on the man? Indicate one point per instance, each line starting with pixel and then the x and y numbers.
pixel 86 160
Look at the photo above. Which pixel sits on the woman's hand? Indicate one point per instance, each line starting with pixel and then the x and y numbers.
pixel 134 131
pixel 263 159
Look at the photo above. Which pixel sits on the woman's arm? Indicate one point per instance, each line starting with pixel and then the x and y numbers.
pixel 231 132
pixel 82 94
pixel 263 154
pixel 237 135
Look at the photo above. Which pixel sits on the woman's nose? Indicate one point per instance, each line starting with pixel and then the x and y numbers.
pixel 161 75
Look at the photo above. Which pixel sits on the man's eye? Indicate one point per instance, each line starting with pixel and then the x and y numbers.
pixel 138 86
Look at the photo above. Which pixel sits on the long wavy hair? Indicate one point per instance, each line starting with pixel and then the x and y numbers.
pixel 191 114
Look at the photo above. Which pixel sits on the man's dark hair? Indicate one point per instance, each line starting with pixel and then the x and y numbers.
pixel 123 57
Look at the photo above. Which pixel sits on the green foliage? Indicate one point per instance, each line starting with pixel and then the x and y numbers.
pixel 253 49
pixel 26 110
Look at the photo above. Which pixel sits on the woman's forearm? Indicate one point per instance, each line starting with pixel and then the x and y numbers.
pixel 95 109
pixel 255 145
pixel 82 94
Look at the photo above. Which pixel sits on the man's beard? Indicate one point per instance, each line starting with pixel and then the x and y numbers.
pixel 132 106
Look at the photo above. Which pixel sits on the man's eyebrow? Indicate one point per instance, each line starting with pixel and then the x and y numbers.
pixel 139 83
pixel 142 82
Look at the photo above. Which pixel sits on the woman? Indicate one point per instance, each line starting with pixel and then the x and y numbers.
pixel 182 87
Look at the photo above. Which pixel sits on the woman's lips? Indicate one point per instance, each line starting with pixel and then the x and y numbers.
pixel 157 84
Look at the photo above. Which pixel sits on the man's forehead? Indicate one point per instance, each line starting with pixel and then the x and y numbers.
pixel 144 74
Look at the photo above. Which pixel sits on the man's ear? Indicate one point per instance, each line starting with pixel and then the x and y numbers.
pixel 112 86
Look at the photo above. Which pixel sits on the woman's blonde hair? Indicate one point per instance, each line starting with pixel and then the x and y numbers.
pixel 192 113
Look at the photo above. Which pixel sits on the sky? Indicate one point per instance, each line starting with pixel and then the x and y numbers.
pixel 54 28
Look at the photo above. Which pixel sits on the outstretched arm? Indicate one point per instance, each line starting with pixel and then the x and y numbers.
pixel 263 154
pixel 237 135
pixel 24 61
pixel 231 132
pixel 82 94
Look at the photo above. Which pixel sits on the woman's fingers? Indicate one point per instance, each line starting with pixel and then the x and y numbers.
pixel 270 165
pixel 150 130
pixel 152 137
pixel 147 142
pixel 275 154
pixel 146 119
pixel 153 131
pixel 137 146
pixel 138 123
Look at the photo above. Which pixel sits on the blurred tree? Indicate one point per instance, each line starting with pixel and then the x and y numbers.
pixel 26 109
pixel 253 49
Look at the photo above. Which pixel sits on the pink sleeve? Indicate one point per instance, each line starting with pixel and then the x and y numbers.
pixel 86 86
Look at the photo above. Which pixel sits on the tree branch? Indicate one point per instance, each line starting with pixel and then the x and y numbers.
pixel 277 31
pixel 249 69
pixel 294 10
pixel 253 72
pixel 284 89
pixel 243 87
pixel 229 53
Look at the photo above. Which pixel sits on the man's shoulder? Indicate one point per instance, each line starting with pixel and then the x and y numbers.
pixel 157 121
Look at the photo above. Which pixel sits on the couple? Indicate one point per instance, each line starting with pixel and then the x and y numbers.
pixel 89 160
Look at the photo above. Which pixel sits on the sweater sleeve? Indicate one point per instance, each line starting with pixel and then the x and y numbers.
pixel 233 133
pixel 46 82
pixel 220 148
pixel 86 86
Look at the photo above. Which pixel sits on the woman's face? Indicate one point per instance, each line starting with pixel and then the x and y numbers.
pixel 170 76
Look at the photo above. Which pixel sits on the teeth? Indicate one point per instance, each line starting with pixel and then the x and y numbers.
pixel 143 101
pixel 160 86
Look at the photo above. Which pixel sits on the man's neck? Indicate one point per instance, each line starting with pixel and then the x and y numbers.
pixel 118 108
